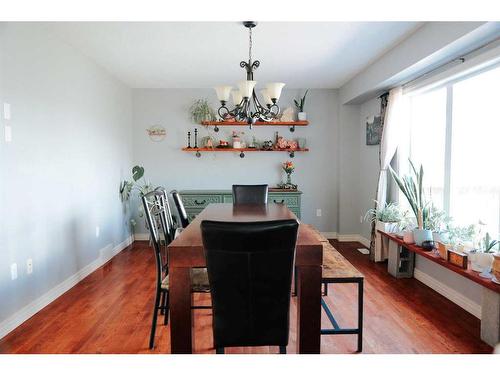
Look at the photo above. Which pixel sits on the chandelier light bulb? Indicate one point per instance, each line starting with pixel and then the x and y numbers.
pixel 265 96
pixel 236 97
pixel 223 92
pixel 274 90
pixel 246 88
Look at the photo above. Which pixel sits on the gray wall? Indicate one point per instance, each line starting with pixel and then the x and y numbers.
pixel 59 178
pixel 166 165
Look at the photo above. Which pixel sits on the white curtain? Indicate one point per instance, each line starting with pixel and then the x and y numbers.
pixel 394 121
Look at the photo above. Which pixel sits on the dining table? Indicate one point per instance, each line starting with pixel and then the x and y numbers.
pixel 186 252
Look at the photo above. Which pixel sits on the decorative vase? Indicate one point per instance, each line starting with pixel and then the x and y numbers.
pixel 484 262
pixel 422 235
pixel 386 227
pixel 496 268
pixel 302 116
pixel 289 179
pixel 408 237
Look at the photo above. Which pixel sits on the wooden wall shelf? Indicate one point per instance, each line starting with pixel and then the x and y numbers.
pixel 242 151
pixel 290 124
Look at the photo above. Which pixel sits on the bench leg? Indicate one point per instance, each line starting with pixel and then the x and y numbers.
pixel 360 316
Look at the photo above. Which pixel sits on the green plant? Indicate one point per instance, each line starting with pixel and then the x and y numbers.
pixel 436 220
pixel 300 105
pixel 412 188
pixel 200 111
pixel 489 244
pixel 387 213
pixel 459 234
pixel 138 183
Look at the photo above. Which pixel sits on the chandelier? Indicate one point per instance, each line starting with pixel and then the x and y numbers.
pixel 247 106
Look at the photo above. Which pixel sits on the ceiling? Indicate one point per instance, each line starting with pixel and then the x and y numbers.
pixel 204 54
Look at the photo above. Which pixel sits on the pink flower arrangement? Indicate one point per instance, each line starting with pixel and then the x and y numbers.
pixel 288 167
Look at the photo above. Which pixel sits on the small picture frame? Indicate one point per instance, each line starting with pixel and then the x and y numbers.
pixel 457 259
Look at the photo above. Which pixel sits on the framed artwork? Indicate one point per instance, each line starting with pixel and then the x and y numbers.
pixel 373 130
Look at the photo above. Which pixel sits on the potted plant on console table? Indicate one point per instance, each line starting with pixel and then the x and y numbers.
pixel 412 188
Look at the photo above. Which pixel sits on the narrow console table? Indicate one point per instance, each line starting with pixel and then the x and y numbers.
pixel 196 200
pixel 399 266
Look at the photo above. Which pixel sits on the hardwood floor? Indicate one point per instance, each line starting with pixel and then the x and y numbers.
pixel 110 312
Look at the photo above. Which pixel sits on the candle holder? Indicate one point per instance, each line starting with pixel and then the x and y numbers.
pixel 189 140
pixel 195 138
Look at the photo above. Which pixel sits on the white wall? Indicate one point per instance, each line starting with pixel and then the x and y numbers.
pixel 59 177
pixel 166 165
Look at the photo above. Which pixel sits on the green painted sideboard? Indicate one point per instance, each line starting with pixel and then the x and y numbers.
pixel 196 200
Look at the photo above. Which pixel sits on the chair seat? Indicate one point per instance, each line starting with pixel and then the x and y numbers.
pixel 199 280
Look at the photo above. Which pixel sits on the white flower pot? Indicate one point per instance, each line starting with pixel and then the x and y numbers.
pixel 408 237
pixel 386 227
pixel 302 116
pixel 422 235
pixel 483 262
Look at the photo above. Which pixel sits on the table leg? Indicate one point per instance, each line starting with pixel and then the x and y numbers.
pixel 180 311
pixel 309 309
pixel 360 315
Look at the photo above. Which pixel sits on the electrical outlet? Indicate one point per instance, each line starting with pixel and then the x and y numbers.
pixel 29 266
pixel 97 231
pixel 318 212
pixel 13 271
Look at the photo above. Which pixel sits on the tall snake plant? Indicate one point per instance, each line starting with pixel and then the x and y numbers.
pixel 412 188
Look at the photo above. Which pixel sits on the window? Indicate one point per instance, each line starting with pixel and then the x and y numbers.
pixel 455 134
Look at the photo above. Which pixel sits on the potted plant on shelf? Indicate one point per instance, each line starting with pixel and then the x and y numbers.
pixel 386 216
pixel 201 111
pixel 412 188
pixel 437 222
pixel 484 257
pixel 302 116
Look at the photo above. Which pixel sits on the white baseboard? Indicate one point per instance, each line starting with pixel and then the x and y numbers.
pixel 141 237
pixel 330 235
pixel 457 298
pixel 31 309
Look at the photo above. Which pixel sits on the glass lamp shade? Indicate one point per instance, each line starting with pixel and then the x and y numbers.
pixel 266 97
pixel 236 97
pixel 223 92
pixel 246 88
pixel 274 89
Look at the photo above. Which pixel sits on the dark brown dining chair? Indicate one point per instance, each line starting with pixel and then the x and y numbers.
pixel 243 260
pixel 181 211
pixel 157 209
pixel 250 194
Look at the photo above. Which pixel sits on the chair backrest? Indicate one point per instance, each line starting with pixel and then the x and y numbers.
pixel 250 273
pixel 181 211
pixel 157 211
pixel 250 194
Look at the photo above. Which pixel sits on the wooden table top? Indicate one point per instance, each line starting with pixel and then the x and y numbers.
pixel 190 241
pixel 468 273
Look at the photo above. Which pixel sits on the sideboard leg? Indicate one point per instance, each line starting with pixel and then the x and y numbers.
pixel 490 317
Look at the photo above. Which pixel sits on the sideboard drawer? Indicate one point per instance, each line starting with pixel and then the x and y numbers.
pixel 199 200
pixel 288 199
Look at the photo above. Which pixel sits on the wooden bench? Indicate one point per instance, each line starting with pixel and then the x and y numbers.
pixel 337 269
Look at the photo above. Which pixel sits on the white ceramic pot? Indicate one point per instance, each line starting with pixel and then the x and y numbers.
pixel 386 227
pixel 484 261
pixel 302 116
pixel 408 237
pixel 422 235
